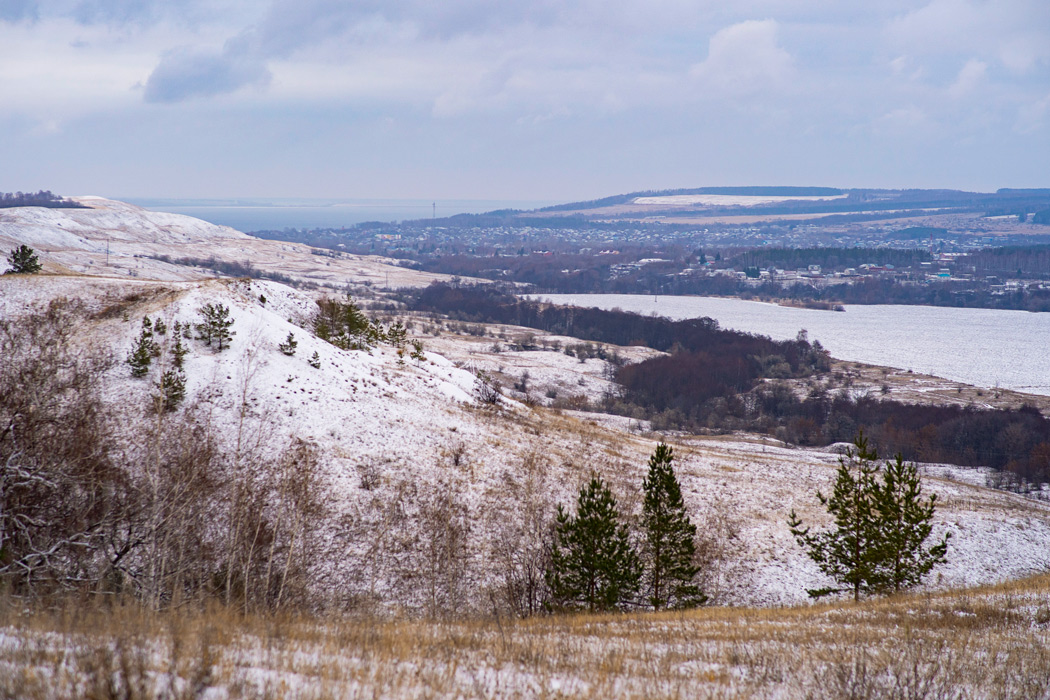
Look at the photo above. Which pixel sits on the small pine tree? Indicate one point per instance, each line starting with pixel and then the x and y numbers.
pixel 314 361
pixel 171 390
pixel 877 542
pixel 143 351
pixel 593 564
pixel 289 345
pixel 159 327
pixel 907 521
pixel 847 552
pixel 215 325
pixel 178 350
pixel 417 351
pixel 670 537
pixel 397 335
pixel 23 261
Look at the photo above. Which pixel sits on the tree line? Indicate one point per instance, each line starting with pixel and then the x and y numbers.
pixel 43 198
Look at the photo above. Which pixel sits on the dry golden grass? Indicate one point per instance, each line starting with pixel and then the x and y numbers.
pixel 981 643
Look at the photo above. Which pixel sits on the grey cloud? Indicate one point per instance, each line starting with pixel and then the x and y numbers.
pixel 17 10
pixel 186 73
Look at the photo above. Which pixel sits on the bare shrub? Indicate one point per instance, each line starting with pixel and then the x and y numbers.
pixel 59 487
pixel 440 555
pixel 522 538
pixel 717 541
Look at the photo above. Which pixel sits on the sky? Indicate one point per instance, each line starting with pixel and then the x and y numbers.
pixel 541 100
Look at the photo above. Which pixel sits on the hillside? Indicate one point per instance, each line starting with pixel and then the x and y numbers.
pixel 426 499
pixel 111 238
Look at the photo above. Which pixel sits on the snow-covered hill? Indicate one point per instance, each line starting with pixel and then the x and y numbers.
pixel 404 442
pixel 114 238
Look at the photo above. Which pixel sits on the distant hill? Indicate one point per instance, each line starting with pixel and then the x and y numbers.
pixel 749 191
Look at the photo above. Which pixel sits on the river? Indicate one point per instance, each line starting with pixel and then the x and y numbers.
pixel 983 347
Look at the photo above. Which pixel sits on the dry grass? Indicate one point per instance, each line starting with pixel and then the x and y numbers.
pixel 983 643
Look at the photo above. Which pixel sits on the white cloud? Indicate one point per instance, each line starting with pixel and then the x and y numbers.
pixel 745 58
pixel 970 77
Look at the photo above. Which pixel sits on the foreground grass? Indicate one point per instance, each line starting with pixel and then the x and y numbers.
pixel 985 643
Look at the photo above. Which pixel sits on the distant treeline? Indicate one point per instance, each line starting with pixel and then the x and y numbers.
pixel 234 269
pixel 43 198
pixel 718 379
pixel 830 258
pixel 1011 261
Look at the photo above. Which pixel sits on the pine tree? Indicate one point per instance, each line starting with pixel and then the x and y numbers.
pixel 670 537
pixel 849 552
pixel 215 325
pixel 593 564
pixel 23 260
pixel 144 350
pixel 178 350
pixel 881 526
pixel 171 390
pixel 906 524
pixel 314 361
pixel 289 345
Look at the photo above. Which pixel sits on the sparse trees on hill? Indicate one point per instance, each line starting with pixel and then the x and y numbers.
pixel 877 543
pixel 23 260
pixel 670 535
pixel 593 564
pixel 343 324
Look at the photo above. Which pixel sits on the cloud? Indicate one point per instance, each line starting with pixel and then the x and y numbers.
pixel 970 76
pixel 17 10
pixel 187 73
pixel 1014 32
pixel 745 58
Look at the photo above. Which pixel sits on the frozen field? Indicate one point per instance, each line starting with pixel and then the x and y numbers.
pixel 984 347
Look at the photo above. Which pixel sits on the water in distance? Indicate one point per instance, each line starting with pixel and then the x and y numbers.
pixel 983 347
pixel 279 214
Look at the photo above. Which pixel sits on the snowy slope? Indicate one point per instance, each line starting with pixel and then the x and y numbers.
pixel 118 239
pixel 393 435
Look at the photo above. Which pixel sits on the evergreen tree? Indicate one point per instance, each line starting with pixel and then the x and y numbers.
pixel 178 350
pixel 906 524
pixel 849 552
pixel 144 350
pixel 171 390
pixel 881 526
pixel 593 564
pixel 314 361
pixel 289 345
pixel 23 260
pixel 215 325
pixel 670 537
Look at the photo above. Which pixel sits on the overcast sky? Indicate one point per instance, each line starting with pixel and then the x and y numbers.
pixel 519 100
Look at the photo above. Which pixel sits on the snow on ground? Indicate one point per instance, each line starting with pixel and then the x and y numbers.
pixel 415 428
pixel 118 239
